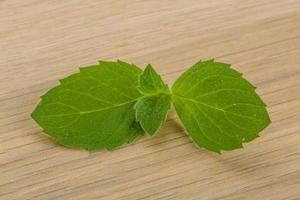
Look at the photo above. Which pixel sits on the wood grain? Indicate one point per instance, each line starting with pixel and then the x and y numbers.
pixel 43 41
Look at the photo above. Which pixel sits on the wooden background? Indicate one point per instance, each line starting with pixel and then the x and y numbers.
pixel 43 41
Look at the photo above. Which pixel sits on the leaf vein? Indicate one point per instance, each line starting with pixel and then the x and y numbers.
pixel 204 79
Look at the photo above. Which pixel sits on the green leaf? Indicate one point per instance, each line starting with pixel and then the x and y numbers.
pixel 152 108
pixel 93 109
pixel 218 107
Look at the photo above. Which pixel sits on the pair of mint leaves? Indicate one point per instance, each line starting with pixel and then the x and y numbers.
pixel 113 103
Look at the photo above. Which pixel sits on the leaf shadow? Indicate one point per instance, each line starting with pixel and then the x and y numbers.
pixel 244 163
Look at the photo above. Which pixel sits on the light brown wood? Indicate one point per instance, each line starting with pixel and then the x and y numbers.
pixel 43 41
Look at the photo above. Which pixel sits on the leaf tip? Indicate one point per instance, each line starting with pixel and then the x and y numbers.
pixel 33 114
pixel 61 81
pixel 149 68
pixel 101 62
pixel 219 152
pixel 119 61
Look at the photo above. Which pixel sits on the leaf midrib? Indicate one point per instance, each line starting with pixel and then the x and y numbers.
pixel 107 108
pixel 215 108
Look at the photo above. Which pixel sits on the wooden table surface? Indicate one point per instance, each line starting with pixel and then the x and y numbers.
pixel 44 41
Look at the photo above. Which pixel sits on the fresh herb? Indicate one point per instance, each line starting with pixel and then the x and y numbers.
pixel 153 107
pixel 113 103
pixel 218 107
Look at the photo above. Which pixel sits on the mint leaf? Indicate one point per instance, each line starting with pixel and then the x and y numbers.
pixel 218 107
pixel 112 103
pixel 93 109
pixel 152 108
